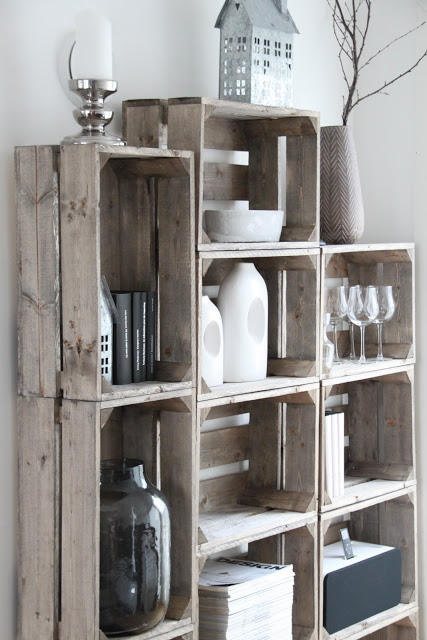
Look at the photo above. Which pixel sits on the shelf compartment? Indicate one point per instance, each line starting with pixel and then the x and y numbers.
pixel 166 630
pixel 389 264
pixel 390 522
pixel 261 454
pixel 162 434
pixel 399 622
pixel 204 124
pixel 116 217
pixel 294 544
pixel 379 423
pixel 292 279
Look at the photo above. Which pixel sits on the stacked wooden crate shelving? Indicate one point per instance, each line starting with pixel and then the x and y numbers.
pixel 114 212
pixel 135 215
pixel 379 503
pixel 270 503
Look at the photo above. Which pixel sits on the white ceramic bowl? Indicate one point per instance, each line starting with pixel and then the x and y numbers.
pixel 243 225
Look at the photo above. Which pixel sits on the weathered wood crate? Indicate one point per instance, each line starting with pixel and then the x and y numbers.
pixel 126 214
pixel 204 125
pixel 161 433
pixel 388 264
pixel 379 423
pixel 391 521
pixel 258 460
pixel 292 279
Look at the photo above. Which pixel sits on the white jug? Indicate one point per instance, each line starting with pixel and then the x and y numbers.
pixel 243 304
pixel 212 344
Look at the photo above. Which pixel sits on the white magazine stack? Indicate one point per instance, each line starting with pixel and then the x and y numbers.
pixel 243 599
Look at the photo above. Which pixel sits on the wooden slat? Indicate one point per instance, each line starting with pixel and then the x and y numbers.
pixel 80 520
pixel 178 457
pixel 143 125
pixel 225 181
pixel 299 233
pixel 291 368
pixel 380 471
pixel 38 526
pixel 264 173
pixel 301 449
pixel 177 271
pixel 222 133
pixel 39 351
pixel 301 551
pixel 221 493
pixel 80 256
pixel 302 311
pixel 302 181
pixel 136 242
pixel 296 126
pixel 186 131
pixel 156 167
pixel 265 443
pixel 224 446
pixel 110 227
pixel 278 499
pixel 140 434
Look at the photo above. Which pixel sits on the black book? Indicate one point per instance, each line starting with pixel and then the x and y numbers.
pixel 122 351
pixel 139 310
pixel 151 333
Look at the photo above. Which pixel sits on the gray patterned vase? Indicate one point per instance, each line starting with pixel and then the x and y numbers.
pixel 341 204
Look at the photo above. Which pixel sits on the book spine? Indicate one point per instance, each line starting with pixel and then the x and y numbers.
pixel 123 339
pixel 151 333
pixel 340 419
pixel 139 306
pixel 335 455
pixel 328 455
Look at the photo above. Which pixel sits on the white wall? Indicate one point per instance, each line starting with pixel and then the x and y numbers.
pixel 166 48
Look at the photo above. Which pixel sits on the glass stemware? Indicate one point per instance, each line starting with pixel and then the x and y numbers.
pixel 362 310
pixel 336 305
pixel 387 307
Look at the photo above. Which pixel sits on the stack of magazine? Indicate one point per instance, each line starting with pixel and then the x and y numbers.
pixel 240 599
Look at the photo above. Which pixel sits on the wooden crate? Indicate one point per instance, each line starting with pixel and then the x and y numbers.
pixel 126 214
pixel 162 434
pixel 37 230
pixel 258 460
pixel 292 279
pixel 375 264
pixel 379 422
pixel 391 521
pixel 205 124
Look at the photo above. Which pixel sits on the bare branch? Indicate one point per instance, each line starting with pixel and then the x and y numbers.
pixel 351 31
pixel 387 84
pixel 390 44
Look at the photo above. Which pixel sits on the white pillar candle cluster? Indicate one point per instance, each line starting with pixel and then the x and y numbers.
pixel 92 57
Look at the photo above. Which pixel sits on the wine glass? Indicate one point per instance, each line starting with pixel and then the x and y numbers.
pixel 336 305
pixel 362 310
pixel 387 307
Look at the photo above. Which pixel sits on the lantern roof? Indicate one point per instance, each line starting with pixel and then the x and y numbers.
pixel 263 13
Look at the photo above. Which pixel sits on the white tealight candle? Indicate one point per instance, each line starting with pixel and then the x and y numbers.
pixel 93 53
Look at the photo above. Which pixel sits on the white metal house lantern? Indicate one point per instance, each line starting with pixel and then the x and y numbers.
pixel 108 317
pixel 256 52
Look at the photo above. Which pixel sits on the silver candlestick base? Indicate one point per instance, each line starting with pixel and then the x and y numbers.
pixel 92 116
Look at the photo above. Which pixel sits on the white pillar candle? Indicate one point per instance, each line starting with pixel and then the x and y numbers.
pixel 93 54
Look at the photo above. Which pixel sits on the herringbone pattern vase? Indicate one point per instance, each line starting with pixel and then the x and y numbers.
pixel 341 205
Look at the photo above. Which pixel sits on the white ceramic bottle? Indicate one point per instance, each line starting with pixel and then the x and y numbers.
pixel 212 344
pixel 243 304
